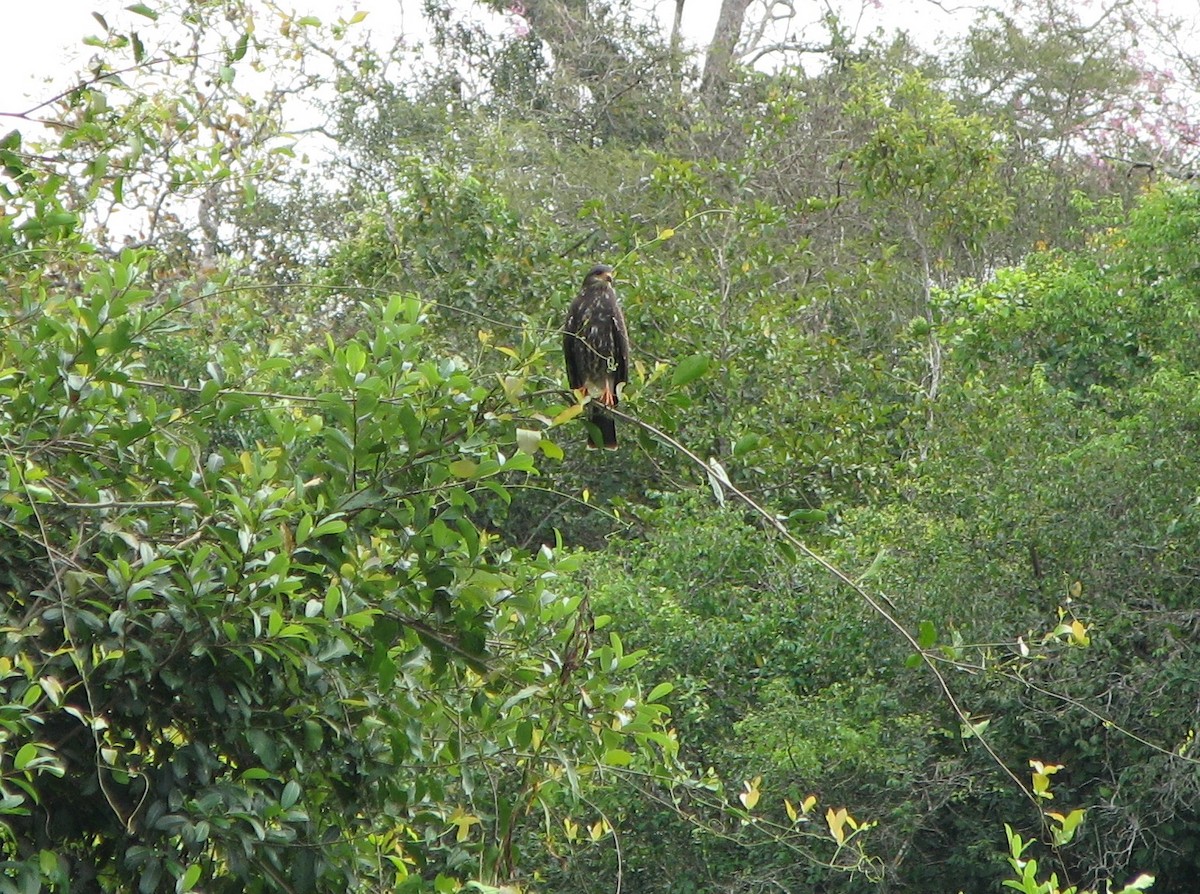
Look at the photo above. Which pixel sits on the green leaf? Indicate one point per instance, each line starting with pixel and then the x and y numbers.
pixel 689 369
pixel 333 602
pixel 1064 832
pixel 617 757
pixel 356 358
pixel 27 753
pixel 786 549
pixel 926 635
pixel 974 728
pixel 264 746
pixel 143 10
pixel 360 620
pixel 188 880
pixel 659 691
pixel 150 875
pixel 291 794
pixel 745 444
pixel 239 51
pixel 410 425
pixel 809 516
pixel 463 468
pixel 519 697
pixel 329 525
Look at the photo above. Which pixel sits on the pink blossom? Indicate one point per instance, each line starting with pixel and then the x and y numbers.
pixel 520 27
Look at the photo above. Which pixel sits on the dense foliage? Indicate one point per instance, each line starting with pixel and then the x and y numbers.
pixel 308 583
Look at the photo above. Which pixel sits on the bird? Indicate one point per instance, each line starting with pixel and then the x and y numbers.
pixel 596 348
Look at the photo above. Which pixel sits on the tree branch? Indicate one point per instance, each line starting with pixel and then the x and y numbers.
pixel 875 603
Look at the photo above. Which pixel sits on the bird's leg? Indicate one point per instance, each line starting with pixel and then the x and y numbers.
pixel 609 397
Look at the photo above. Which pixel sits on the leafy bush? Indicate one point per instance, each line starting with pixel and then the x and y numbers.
pixel 298 664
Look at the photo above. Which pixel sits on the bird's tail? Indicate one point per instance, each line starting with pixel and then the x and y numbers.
pixel 605 431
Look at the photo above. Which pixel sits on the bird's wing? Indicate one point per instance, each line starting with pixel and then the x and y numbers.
pixel 573 345
pixel 620 342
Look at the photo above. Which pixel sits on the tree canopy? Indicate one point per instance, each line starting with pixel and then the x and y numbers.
pixel 308 583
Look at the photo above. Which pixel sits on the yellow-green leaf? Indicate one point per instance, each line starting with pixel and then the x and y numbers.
pixel 463 468
pixel 463 821
pixel 1066 826
pixel 838 820
pixel 750 796
pixel 568 414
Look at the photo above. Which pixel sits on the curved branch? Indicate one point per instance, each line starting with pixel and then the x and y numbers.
pixel 875 603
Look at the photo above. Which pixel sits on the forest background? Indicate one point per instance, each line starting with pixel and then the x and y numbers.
pixel 309 583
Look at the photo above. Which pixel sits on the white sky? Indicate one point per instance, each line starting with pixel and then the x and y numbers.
pixel 43 54
pixel 42 49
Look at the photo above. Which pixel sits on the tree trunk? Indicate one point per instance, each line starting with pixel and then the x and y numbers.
pixel 719 59
pixel 677 27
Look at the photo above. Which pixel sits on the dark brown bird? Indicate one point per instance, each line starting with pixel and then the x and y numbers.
pixel 596 347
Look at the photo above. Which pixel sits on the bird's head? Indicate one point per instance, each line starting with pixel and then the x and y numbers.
pixel 599 273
